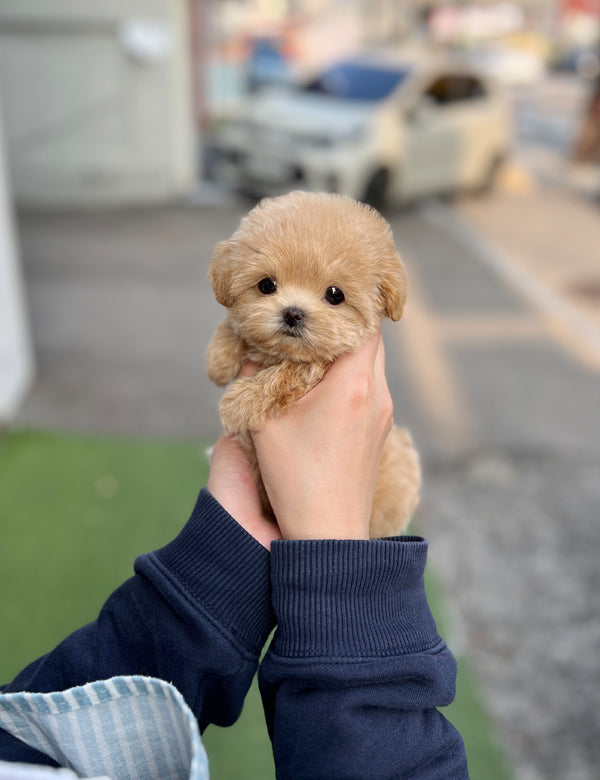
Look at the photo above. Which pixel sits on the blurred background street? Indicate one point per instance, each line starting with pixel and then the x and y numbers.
pixel 495 366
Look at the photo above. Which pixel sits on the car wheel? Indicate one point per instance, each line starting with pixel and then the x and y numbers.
pixel 376 191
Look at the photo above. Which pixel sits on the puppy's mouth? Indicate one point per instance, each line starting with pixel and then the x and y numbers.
pixel 292 333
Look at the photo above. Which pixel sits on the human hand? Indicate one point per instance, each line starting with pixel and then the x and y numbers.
pixel 230 481
pixel 319 461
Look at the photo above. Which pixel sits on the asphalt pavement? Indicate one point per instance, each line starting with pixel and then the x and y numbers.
pixel 512 499
pixel 494 369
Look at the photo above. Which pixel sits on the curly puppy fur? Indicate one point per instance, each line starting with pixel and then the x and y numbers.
pixel 306 278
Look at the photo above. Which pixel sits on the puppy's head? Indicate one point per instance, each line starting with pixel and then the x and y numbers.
pixel 308 276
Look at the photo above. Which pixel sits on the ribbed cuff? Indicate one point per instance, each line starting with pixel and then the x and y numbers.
pixel 218 566
pixel 360 599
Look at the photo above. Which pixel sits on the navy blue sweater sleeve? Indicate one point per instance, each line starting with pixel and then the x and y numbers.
pixel 196 613
pixel 356 669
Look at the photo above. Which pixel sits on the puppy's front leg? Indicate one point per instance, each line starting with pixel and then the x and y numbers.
pixel 250 401
pixel 225 355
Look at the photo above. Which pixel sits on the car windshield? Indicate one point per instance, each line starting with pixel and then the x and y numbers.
pixel 354 81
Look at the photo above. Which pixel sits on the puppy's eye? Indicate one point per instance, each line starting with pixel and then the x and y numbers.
pixel 267 286
pixel 334 296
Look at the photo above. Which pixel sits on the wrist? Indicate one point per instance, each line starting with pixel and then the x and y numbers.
pixel 351 598
pixel 327 527
pixel 321 513
pixel 220 569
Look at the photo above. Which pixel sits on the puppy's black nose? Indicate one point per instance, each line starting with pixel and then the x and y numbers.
pixel 292 317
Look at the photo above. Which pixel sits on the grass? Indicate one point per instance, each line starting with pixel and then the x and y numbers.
pixel 486 758
pixel 75 512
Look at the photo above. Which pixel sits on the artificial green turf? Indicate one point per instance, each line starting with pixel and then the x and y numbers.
pixel 485 756
pixel 75 512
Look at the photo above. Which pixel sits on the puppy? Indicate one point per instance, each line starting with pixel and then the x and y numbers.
pixel 306 278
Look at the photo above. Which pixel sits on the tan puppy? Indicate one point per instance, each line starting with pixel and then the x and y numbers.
pixel 306 278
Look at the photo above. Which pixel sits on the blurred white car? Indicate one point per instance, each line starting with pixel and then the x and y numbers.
pixel 372 129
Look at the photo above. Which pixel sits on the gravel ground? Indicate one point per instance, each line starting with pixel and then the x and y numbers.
pixel 521 573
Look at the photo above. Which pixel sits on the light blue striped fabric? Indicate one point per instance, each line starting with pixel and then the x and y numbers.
pixel 125 728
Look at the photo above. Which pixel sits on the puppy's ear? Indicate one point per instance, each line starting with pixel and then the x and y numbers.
pixel 392 287
pixel 220 272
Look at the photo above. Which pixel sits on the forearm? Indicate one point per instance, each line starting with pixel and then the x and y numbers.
pixel 195 614
pixel 356 669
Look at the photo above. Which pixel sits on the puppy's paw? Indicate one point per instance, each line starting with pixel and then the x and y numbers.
pixel 242 408
pixel 224 355
pixel 220 368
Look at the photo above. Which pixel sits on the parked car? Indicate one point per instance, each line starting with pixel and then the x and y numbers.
pixel 377 130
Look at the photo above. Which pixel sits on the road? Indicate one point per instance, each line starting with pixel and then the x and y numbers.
pixel 502 376
pixel 494 368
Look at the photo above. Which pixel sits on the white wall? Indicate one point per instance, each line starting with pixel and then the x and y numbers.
pixel 97 100
pixel 16 359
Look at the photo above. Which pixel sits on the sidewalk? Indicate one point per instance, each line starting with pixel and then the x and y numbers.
pixel 121 314
pixel 527 230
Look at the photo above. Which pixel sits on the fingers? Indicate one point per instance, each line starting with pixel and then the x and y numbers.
pixel 369 356
pixel 232 484
pixel 364 358
pixel 379 360
pixel 364 368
